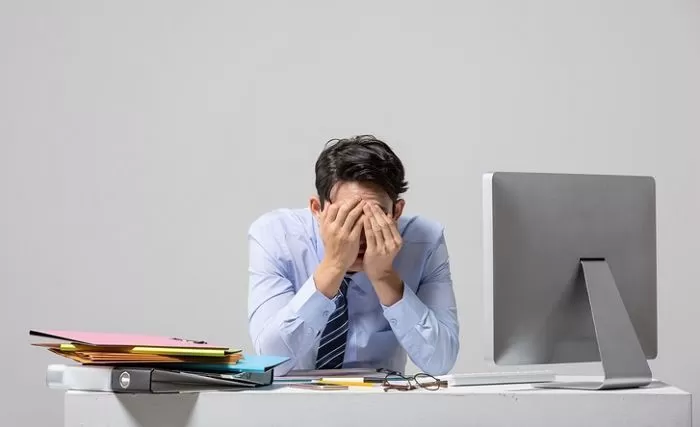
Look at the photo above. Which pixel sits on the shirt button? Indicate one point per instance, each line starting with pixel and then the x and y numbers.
pixel 310 331
pixel 326 313
pixel 393 322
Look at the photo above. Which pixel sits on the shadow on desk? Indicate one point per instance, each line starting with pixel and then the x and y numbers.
pixel 175 411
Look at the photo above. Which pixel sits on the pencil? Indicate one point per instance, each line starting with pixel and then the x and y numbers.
pixel 346 383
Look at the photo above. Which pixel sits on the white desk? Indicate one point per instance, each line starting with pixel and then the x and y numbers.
pixel 512 405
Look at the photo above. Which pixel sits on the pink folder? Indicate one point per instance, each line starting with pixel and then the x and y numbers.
pixel 122 340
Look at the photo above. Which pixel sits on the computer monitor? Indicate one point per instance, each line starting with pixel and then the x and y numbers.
pixel 570 273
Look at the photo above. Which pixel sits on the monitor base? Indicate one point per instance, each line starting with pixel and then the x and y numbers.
pixel 624 362
pixel 596 385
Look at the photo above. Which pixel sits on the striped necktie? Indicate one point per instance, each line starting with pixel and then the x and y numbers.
pixel 331 348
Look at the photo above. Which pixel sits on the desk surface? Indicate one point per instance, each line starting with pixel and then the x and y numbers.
pixel 501 405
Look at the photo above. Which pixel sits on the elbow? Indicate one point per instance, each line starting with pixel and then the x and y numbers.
pixel 257 336
pixel 258 346
pixel 437 368
pixel 442 371
pixel 444 366
pixel 452 353
pixel 284 368
pixel 451 357
pixel 444 357
pixel 265 344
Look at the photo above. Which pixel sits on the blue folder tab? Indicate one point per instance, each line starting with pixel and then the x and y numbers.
pixel 249 363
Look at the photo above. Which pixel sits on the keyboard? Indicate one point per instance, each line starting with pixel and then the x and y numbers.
pixel 498 378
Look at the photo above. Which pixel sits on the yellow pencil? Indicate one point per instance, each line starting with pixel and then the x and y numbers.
pixel 348 383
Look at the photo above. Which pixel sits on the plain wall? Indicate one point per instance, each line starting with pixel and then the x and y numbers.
pixel 138 140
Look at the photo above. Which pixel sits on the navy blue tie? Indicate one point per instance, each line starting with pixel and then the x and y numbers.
pixel 331 348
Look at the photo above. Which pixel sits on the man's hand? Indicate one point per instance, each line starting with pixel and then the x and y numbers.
pixel 383 243
pixel 340 229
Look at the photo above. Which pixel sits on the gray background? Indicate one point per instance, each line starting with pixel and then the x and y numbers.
pixel 138 140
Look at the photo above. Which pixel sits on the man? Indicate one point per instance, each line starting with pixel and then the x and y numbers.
pixel 350 281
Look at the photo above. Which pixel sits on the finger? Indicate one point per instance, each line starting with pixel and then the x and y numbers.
pixel 395 233
pixel 394 230
pixel 384 225
pixel 353 216
pixel 331 212
pixel 356 230
pixel 345 209
pixel 377 231
pixel 369 234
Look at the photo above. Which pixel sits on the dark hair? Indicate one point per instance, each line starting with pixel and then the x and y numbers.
pixel 361 158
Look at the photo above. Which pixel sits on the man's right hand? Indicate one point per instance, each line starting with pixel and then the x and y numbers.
pixel 340 229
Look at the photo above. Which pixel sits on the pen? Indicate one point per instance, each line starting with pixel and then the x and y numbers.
pixel 348 382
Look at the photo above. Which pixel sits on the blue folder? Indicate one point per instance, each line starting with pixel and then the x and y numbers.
pixel 249 363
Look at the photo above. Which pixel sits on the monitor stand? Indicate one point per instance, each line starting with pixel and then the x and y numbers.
pixel 624 362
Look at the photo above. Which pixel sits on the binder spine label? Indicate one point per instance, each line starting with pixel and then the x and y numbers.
pixel 131 380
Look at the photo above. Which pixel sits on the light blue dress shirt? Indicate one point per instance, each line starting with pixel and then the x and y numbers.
pixel 287 313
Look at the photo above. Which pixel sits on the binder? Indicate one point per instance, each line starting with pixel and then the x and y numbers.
pixel 150 380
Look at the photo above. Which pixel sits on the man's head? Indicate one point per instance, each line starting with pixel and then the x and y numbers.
pixel 359 166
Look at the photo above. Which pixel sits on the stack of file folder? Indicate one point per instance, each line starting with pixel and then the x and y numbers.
pixel 150 364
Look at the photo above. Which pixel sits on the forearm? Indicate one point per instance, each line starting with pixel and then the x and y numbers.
pixel 271 340
pixel 389 287
pixel 327 277
pixel 430 337
pixel 291 328
pixel 437 345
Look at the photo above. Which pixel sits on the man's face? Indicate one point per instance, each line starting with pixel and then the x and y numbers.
pixel 344 191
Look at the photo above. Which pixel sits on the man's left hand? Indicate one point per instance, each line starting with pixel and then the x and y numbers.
pixel 383 243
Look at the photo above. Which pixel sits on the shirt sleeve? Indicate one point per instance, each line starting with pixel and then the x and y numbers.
pixel 282 322
pixel 426 322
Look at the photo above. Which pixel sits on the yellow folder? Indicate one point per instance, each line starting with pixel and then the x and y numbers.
pixel 174 351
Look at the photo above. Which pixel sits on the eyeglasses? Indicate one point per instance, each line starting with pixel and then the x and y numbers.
pixel 397 381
